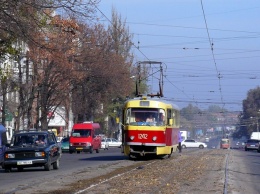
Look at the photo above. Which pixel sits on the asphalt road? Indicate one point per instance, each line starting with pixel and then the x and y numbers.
pixel 243 168
pixel 242 173
pixel 14 181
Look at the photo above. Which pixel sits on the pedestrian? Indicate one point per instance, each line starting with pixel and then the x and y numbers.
pixel 180 140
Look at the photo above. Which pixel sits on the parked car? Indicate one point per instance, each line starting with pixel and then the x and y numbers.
pixel 65 144
pixel 191 143
pixel 112 142
pixel 252 144
pixel 26 150
pixel 104 144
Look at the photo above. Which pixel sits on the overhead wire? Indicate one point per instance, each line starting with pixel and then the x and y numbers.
pixel 213 55
pixel 137 47
pixel 140 48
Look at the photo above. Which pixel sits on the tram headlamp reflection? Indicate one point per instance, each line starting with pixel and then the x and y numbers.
pixel 132 137
pixel 154 138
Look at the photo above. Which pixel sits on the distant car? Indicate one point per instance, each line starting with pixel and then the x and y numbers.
pixel 25 150
pixel 191 143
pixel 112 142
pixel 65 144
pixel 104 144
pixel 252 144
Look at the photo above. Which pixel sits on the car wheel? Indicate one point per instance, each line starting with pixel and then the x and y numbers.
pixel 201 146
pixel 8 170
pixel 70 151
pixel 258 150
pixel 47 166
pixel 246 149
pixel 183 146
pixel 20 169
pixel 56 165
pixel 78 152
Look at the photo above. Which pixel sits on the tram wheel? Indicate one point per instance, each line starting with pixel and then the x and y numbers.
pixel 170 155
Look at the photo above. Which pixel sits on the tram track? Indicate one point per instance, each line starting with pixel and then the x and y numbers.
pixel 164 176
pixel 225 190
pixel 141 166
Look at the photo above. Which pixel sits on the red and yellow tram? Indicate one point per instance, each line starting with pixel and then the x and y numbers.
pixel 150 127
pixel 225 143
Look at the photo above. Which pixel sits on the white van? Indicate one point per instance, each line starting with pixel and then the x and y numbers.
pixel 255 135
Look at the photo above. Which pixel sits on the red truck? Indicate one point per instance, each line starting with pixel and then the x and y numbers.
pixel 84 138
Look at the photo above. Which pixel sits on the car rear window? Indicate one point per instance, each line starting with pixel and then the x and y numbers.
pixel 252 141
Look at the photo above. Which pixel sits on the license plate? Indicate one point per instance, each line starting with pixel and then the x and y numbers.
pixel 24 162
pixel 252 145
pixel 79 148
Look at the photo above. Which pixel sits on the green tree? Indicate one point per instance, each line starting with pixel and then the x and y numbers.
pixel 216 109
pixel 190 111
pixel 251 110
pixel 251 105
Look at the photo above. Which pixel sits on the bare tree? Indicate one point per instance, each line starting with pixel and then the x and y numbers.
pixel 20 21
pixel 53 66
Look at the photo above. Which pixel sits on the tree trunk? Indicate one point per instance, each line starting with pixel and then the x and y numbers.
pixel 4 137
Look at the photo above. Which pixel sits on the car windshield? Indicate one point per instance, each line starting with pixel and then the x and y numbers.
pixel 252 141
pixel 27 139
pixel 66 139
pixel 81 132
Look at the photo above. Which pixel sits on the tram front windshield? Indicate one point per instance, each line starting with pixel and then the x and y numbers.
pixel 145 116
pixel 225 141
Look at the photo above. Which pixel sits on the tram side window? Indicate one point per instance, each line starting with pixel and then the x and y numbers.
pixel 174 116
pixel 161 117
pixel 127 116
pixel 130 117
pixel 169 115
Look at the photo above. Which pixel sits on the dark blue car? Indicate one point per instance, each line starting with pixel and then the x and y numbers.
pixel 32 149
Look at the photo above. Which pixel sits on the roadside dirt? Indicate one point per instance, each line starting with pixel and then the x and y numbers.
pixel 200 171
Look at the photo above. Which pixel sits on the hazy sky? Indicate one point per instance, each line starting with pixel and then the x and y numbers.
pixel 200 74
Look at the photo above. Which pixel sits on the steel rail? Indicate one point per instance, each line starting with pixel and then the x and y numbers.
pixel 226 174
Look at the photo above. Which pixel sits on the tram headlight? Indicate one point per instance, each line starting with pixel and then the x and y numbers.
pixel 154 138
pixel 132 137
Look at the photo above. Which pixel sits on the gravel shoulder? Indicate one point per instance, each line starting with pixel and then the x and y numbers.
pixel 192 171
